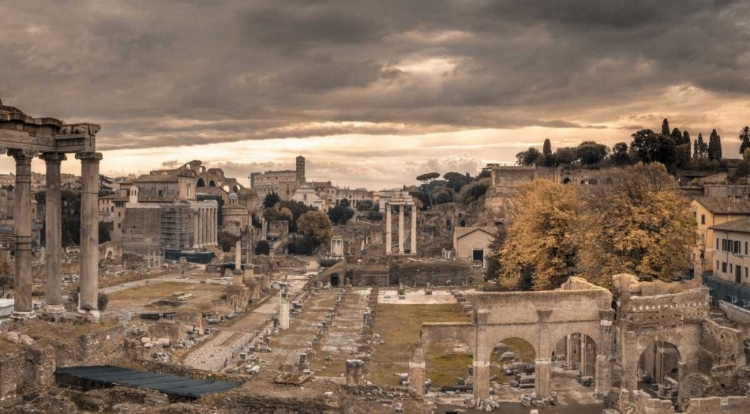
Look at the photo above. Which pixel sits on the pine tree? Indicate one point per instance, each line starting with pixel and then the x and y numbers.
pixel 547 148
pixel 665 127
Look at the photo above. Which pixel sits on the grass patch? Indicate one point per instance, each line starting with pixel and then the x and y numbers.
pixel 399 327
pixel 446 361
pixel 144 295
pixel 524 353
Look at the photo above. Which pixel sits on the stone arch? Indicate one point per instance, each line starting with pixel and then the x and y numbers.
pixel 566 180
pixel 463 223
pixel 657 360
pixel 236 189
pixel 201 183
pixel 212 183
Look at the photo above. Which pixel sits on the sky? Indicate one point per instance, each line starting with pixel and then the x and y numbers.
pixel 372 93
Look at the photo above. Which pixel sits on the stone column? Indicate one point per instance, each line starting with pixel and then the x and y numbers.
pixel 203 226
pixel 23 307
pixel 482 354
pixel 584 366
pixel 216 226
pixel 53 234
pixel 195 229
pixel 604 355
pixel 682 386
pixel 388 233
pixel 417 370
pixel 414 230
pixel 88 296
pixel 543 367
pixel 401 229
pixel 569 351
pixel 630 361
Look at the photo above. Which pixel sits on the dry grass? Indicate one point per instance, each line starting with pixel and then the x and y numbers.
pixel 399 327
pixel 141 296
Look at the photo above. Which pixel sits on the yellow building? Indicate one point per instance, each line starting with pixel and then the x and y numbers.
pixel 710 212
pixel 732 257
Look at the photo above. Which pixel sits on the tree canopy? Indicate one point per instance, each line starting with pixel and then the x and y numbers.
pixel 271 199
pixel 315 226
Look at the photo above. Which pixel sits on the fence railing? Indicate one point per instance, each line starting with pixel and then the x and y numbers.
pixel 719 289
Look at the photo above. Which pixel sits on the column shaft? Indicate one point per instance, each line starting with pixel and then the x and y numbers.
pixel 195 229
pixel 388 234
pixel 22 307
pixel 88 296
pixel 414 230
pixel 53 233
pixel 401 229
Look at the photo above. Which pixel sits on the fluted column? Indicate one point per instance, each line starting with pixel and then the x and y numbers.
pixel 87 298
pixel 214 225
pixel 203 226
pixel 22 307
pixel 401 229
pixel 388 234
pixel 413 230
pixel 53 234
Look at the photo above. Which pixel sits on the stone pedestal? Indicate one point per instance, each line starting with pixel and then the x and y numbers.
pixel 416 377
pixel 354 371
pixel 89 259
pixel 23 308
pixel 284 312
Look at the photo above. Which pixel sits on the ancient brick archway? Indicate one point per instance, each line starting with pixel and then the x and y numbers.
pixel 540 318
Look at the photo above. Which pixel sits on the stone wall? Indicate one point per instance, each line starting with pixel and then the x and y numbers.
pixel 722 352
pixel 371 275
pixel 435 273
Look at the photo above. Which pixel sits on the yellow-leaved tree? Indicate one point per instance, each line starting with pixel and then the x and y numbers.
pixel 539 250
pixel 637 222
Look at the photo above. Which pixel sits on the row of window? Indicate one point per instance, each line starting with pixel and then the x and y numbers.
pixel 732 269
pixel 732 246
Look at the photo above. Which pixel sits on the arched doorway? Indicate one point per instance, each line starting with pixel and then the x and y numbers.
pixel 566 180
pixel 513 362
pixel 446 361
pixel 212 183
pixel 201 183
pixel 574 359
pixel 658 369
pixel 463 223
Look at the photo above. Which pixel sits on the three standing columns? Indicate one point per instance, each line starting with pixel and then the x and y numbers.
pixel 53 234
pixel 89 260
pixel 401 229
pixel 22 307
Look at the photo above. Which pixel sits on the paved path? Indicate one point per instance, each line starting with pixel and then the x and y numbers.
pixel 216 353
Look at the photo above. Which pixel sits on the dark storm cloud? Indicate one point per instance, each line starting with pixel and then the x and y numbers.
pixel 171 73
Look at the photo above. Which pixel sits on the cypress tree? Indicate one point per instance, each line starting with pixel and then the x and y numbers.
pixel 547 148
pixel 665 127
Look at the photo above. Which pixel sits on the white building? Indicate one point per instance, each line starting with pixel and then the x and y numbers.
pixel 305 194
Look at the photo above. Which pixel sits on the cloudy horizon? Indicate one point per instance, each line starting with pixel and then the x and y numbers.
pixel 372 93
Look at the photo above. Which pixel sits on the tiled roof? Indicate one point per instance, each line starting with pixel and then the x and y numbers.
pixel 740 226
pixel 722 205
pixel 463 231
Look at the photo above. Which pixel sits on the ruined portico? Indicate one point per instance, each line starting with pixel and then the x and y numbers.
pixel 540 318
pixel 25 137
pixel 400 201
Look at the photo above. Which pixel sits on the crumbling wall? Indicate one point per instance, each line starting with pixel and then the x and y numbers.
pixel 99 348
pixel 371 275
pixel 716 405
pixel 722 351
pixel 12 361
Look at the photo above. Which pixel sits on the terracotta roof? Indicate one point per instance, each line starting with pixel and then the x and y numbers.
pixel 722 205
pixel 739 226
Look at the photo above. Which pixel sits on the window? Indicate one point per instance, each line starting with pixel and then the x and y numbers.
pixel 703 219
pixel 746 273
pixel 723 266
pixel 745 248
pixel 737 248
pixel 113 210
pixel 731 270
pixel 119 225
pixel 717 265
pixel 717 243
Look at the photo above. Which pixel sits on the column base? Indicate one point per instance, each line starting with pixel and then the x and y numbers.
pixel 89 315
pixel 22 315
pixel 54 309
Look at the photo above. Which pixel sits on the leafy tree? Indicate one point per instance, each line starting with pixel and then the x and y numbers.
pixel 316 226
pixel 271 200
pixel 271 214
pixel 565 156
pixel 297 208
pixel 364 205
pixel 456 181
pixel 226 241
pixel 476 191
pixel 285 214
pixel 374 216
pixel 529 157
pixel 547 148
pixel 639 224
pixel 665 127
pixel 683 155
pixel 744 139
pixel 620 154
pixel 104 231
pixel 262 248
pixel 340 214
pixel 344 202
pixel 652 147
pixel 591 153
pixel 542 234
pixel 714 146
